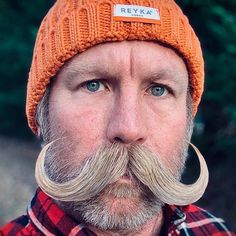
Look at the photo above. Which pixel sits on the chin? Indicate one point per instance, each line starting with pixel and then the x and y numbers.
pixel 121 205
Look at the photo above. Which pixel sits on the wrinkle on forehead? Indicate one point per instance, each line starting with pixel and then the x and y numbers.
pixel 132 55
pixel 126 59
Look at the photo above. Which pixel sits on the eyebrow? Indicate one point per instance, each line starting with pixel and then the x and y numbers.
pixel 165 74
pixel 71 72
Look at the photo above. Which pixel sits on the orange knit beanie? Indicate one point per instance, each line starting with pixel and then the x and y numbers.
pixel 73 26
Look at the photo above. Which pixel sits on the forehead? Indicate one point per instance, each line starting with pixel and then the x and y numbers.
pixel 134 57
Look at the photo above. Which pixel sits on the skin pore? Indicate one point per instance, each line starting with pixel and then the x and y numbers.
pixel 128 93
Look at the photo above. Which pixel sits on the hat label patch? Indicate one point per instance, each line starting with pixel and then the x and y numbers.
pixel 136 13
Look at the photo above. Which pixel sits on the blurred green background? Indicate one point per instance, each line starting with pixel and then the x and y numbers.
pixel 215 132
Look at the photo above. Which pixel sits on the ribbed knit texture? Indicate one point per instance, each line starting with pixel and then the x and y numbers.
pixel 72 26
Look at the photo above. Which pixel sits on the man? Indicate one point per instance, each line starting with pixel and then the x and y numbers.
pixel 113 90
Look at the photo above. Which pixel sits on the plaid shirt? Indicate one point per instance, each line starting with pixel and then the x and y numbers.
pixel 44 217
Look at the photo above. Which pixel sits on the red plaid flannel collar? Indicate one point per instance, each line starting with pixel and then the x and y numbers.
pixel 189 220
pixel 51 220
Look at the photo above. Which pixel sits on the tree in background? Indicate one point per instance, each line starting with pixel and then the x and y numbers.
pixel 215 23
pixel 19 22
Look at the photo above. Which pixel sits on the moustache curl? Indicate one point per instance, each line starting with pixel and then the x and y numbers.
pixel 111 163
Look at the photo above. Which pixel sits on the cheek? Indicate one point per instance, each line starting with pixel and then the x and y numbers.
pixel 169 131
pixel 81 124
pixel 169 145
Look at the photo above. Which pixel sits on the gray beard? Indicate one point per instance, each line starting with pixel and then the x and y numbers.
pixel 137 205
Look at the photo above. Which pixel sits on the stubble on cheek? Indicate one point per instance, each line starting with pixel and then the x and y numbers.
pixel 172 148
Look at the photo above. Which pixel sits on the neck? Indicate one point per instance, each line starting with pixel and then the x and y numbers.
pixel 151 228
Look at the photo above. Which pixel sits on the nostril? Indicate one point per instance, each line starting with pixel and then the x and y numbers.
pixel 140 140
pixel 118 139
pixel 128 141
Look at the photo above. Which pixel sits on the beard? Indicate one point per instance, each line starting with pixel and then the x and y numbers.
pixel 120 207
pixel 95 193
pixel 112 197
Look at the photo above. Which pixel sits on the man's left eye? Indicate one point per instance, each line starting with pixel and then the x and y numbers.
pixel 158 90
pixel 94 86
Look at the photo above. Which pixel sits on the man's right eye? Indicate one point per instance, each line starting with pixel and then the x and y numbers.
pixel 93 86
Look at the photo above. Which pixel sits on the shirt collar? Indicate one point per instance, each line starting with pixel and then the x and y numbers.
pixel 50 219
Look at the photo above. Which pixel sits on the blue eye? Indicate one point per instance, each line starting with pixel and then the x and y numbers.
pixel 158 90
pixel 93 86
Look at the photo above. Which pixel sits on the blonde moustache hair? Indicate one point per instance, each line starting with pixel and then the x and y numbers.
pixel 111 163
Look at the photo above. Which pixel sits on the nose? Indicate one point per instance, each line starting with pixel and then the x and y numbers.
pixel 127 124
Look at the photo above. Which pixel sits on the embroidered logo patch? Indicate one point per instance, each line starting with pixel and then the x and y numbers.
pixel 136 13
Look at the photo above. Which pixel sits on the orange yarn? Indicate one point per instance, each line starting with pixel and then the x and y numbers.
pixel 72 26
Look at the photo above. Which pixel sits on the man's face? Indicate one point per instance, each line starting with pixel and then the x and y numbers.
pixel 124 92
